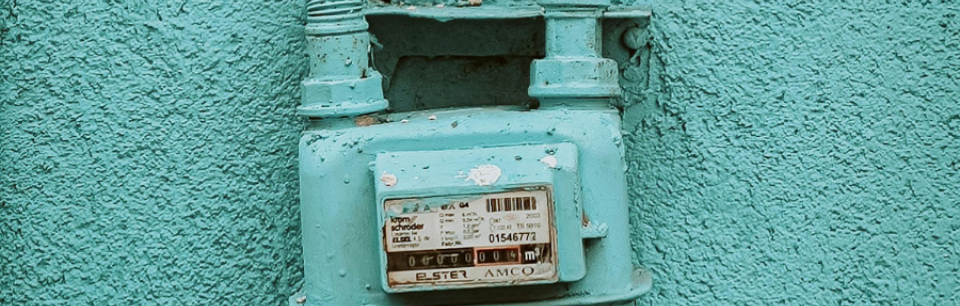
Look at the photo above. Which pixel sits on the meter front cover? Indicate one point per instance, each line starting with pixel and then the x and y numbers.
pixel 505 237
pixel 479 217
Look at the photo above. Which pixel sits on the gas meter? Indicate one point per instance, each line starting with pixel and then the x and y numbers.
pixel 495 205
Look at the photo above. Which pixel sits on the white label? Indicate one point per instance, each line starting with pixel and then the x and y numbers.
pixel 478 240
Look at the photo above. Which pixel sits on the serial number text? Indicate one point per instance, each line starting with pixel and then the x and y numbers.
pixel 514 237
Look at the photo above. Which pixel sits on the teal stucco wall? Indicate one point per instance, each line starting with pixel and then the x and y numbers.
pixel 780 152
pixel 148 152
pixel 799 152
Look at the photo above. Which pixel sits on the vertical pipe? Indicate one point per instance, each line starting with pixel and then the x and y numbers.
pixel 336 39
pixel 573 74
pixel 340 82
pixel 559 42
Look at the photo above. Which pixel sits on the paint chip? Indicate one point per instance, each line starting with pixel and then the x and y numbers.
pixel 388 179
pixel 549 160
pixel 394 209
pixel 484 175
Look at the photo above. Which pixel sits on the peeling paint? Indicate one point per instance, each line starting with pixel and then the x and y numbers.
pixel 484 175
pixel 388 179
pixel 549 160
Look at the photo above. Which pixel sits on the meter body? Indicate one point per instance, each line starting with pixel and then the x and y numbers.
pixel 483 206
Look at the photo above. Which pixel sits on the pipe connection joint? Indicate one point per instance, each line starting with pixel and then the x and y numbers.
pixel 574 77
pixel 573 67
pixel 342 98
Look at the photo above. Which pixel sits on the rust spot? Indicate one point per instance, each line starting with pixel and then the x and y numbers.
pixel 365 121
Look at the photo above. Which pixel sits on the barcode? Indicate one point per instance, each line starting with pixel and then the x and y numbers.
pixel 511 204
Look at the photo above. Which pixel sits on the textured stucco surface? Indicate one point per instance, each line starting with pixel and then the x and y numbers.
pixel 799 152
pixel 148 152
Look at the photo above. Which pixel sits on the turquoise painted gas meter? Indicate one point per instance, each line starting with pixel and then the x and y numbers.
pixel 495 205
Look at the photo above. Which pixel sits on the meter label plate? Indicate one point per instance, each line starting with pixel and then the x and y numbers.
pixel 466 241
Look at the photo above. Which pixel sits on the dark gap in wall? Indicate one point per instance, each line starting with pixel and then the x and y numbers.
pixel 459 81
pixel 431 64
